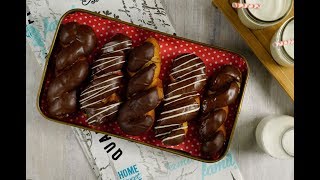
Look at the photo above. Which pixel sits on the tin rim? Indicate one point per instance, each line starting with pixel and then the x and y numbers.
pixel 177 152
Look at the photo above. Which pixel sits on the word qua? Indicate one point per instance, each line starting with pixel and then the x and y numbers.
pixel 210 169
pixel 109 147
pixel 127 172
pixel 176 165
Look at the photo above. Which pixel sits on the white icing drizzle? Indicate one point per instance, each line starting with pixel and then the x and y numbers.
pixel 186 86
pixel 176 115
pixel 100 64
pixel 107 74
pixel 98 120
pixel 165 126
pixel 179 108
pixel 102 91
pixel 105 47
pixel 107 67
pixel 171 84
pixel 179 99
pixel 176 96
pixel 162 134
pixel 172 137
pixel 106 109
pixel 186 68
pixel 190 72
pixel 85 91
pixel 121 49
pixel 185 63
pixel 103 87
pixel 186 55
pixel 106 58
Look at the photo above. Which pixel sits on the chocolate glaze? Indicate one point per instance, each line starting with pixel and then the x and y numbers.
pixel 68 81
pixel 220 100
pixel 226 75
pixel 223 91
pixel 60 99
pixel 187 85
pixel 144 91
pixel 101 99
pixel 119 42
pixel 211 122
pixel 141 80
pixel 78 41
pixel 185 111
pixel 184 65
pixel 182 98
pixel 70 67
pixel 107 63
pixel 177 137
pixel 139 56
pixel 215 144
pixel 132 117
pixel 187 75
pixel 99 91
pixel 66 103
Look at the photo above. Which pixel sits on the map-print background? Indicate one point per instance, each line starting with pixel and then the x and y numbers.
pixel 113 158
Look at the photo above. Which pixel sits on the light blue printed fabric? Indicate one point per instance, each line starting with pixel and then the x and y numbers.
pixel 114 158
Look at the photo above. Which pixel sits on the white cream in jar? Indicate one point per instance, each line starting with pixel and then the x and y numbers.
pixel 271 12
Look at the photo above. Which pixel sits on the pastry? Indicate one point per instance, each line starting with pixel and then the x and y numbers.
pixel 144 90
pixel 182 99
pixel 100 100
pixel 71 68
pixel 223 90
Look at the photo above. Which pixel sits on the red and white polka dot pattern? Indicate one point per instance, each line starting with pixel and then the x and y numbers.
pixel 170 48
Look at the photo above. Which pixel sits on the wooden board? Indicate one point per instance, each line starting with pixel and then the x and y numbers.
pixel 259 42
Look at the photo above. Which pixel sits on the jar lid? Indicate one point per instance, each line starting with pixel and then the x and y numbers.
pixel 288 142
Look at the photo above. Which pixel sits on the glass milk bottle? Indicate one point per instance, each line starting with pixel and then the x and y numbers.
pixel 275 136
pixel 283 54
pixel 270 13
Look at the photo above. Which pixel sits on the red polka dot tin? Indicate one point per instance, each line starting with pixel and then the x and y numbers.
pixel 170 47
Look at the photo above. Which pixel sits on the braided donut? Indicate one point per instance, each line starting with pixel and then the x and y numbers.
pixel 144 91
pixel 71 67
pixel 182 99
pixel 223 91
pixel 101 99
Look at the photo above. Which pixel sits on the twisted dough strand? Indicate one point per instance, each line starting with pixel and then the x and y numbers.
pixel 223 91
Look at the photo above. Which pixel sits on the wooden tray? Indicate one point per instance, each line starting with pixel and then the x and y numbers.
pixel 259 42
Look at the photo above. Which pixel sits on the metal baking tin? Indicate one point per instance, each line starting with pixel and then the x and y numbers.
pixel 181 153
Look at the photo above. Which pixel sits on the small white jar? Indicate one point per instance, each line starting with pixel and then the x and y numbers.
pixel 275 136
pixel 270 13
pixel 284 55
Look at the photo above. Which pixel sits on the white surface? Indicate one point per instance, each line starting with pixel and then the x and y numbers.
pixel 53 152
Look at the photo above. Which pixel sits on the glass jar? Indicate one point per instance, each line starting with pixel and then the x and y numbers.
pixel 284 55
pixel 275 136
pixel 270 13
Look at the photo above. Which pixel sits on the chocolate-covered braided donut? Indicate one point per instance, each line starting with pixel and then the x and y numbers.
pixel 223 90
pixel 182 99
pixel 144 91
pixel 101 99
pixel 76 42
